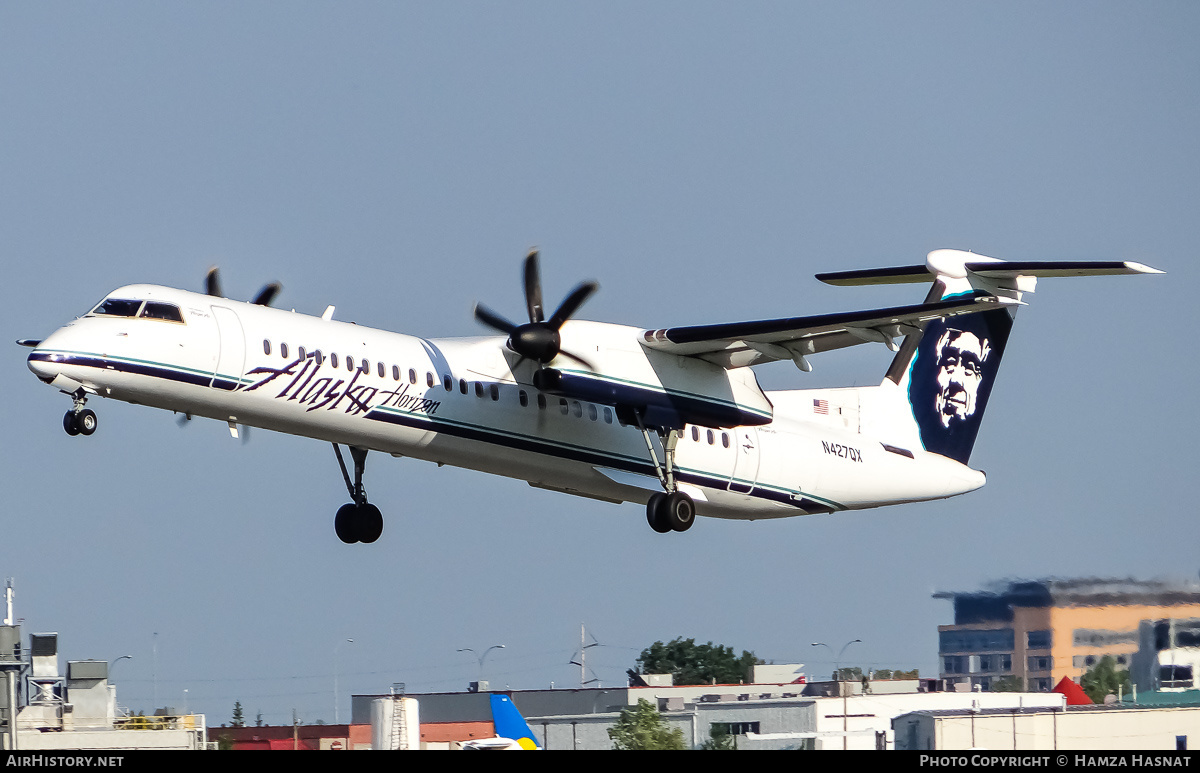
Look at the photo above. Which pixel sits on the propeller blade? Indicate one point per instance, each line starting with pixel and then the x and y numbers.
pixel 212 283
pixel 533 287
pixel 267 294
pixel 493 320
pixel 572 302
pixel 577 358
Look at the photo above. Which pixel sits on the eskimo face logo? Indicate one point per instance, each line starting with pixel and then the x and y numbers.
pixel 960 358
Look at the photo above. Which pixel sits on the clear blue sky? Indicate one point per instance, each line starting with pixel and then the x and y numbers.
pixel 701 161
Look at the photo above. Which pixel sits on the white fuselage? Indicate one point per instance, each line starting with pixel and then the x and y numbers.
pixel 467 402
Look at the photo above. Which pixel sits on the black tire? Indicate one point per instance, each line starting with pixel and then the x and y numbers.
pixel 679 511
pixel 345 523
pixel 655 513
pixel 86 421
pixel 370 523
pixel 70 424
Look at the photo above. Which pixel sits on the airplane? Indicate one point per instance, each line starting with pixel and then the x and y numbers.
pixel 512 731
pixel 673 418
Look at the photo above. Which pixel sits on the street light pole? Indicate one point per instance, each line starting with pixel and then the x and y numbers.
pixel 337 649
pixel 481 657
pixel 837 664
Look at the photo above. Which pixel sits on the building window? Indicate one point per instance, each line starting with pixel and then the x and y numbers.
pixel 976 640
pixel 1040 663
pixel 1175 677
pixel 1038 640
pixel 954 664
pixel 735 728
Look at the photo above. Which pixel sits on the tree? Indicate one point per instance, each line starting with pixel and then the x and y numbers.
pixel 1103 679
pixel 691 663
pixel 642 728
pixel 848 674
pixel 719 738
pixel 239 719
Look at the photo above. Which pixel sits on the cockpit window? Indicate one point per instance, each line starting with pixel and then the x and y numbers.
pixel 115 307
pixel 167 311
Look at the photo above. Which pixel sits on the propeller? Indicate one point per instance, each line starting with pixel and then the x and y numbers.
pixel 539 339
pixel 212 286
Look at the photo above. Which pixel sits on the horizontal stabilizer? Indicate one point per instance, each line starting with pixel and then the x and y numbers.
pixel 959 265
pixel 876 276
pixel 1053 268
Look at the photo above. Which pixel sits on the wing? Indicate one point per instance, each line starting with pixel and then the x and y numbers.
pixel 751 343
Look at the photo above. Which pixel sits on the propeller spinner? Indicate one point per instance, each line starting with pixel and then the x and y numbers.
pixel 538 339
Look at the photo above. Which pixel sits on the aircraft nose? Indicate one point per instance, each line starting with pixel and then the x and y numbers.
pixel 44 364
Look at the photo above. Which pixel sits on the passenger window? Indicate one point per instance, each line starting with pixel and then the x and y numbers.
pixel 710 437
pixel 592 412
pixel 607 416
pixel 350 363
pixel 333 359
pixel 301 354
pixel 495 391
pixel 447 382
pixel 283 351
pixel 541 402
pixel 725 439
pixel 478 389
pixel 523 398
pixel 164 311
pixel 576 409
pixel 380 370
pixel 266 346
pixel 696 434
pixel 412 376
pixel 562 406
pixel 462 385
pixel 320 358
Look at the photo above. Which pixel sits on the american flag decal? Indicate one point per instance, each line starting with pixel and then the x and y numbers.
pixel 821 407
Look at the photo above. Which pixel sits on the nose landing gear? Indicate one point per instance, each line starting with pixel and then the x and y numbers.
pixel 79 420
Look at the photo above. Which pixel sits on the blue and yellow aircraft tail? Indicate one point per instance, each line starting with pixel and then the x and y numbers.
pixel 510 724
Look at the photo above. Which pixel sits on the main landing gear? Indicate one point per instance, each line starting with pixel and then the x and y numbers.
pixel 79 420
pixel 673 510
pixel 358 521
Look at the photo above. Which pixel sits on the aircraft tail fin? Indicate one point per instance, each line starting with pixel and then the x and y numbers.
pixel 510 724
pixel 946 371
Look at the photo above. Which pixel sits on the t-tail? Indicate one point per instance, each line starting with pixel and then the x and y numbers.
pixel 946 370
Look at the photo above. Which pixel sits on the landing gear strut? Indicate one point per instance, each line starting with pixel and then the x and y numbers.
pixel 358 521
pixel 79 420
pixel 673 510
